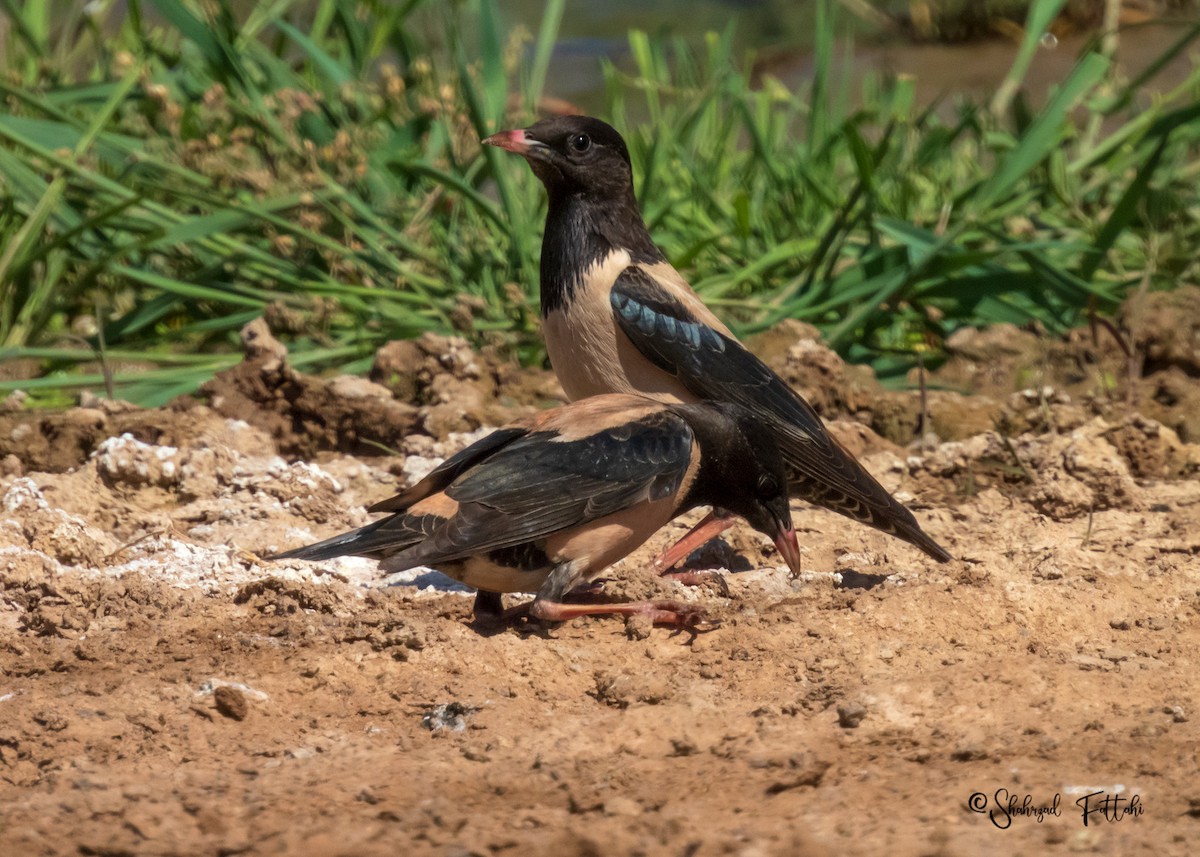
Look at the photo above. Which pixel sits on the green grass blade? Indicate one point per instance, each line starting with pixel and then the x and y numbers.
pixel 543 52
pixel 1044 135
pixel 1041 15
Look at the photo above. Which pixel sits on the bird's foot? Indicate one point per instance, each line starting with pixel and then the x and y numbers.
pixel 676 613
pixel 699 577
pixel 591 589
pixel 490 612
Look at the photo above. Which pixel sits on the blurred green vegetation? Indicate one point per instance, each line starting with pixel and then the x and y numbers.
pixel 319 163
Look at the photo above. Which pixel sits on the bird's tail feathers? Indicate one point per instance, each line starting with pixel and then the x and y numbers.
pixel 365 541
pixel 870 504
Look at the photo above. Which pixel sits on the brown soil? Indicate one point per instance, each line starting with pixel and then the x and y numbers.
pixel 165 691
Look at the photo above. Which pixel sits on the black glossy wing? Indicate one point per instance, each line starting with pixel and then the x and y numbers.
pixel 542 484
pixel 450 469
pixel 713 366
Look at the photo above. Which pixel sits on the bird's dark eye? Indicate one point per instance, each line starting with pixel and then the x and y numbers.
pixel 581 143
pixel 767 486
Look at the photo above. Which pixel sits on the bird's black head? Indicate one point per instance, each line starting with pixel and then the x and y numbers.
pixel 743 472
pixel 572 155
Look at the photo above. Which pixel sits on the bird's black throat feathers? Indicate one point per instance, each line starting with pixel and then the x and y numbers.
pixel 716 443
pixel 580 231
pixel 733 443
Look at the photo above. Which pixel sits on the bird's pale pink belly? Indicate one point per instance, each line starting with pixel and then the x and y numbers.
pixel 607 540
pixel 591 356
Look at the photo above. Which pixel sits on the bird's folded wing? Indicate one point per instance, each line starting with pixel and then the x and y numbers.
pixel 539 485
pixel 713 366
pixel 450 469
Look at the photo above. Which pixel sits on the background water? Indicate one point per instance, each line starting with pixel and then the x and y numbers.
pixel 775 37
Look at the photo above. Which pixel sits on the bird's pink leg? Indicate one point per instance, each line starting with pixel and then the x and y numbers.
pixel 713 524
pixel 660 612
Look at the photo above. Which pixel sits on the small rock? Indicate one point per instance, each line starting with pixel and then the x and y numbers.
pixel 231 702
pixel 451 716
pixel 1117 655
pixel 850 714
pixel 127 460
pixel 639 626
pixel 1178 715
pixel 1119 624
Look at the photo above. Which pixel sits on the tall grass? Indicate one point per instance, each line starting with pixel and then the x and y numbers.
pixel 319 163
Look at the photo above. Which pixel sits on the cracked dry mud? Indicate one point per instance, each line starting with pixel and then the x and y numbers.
pixel 164 691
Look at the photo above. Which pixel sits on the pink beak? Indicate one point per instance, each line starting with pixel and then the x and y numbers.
pixel 789 549
pixel 513 141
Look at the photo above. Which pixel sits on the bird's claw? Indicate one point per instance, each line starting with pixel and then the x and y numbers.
pixel 678 613
pixel 699 577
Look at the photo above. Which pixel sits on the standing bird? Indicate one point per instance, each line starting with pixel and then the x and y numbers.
pixel 618 318
pixel 546 504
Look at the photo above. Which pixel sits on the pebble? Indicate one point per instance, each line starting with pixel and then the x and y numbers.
pixel 231 702
pixel 639 626
pixel 850 714
pixel 451 716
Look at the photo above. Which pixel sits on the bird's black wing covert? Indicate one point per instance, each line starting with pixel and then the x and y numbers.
pixel 541 484
pixel 713 366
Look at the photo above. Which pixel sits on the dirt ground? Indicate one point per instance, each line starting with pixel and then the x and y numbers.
pixel 165 691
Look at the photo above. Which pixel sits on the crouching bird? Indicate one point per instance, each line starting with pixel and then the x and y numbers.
pixel 618 318
pixel 546 504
